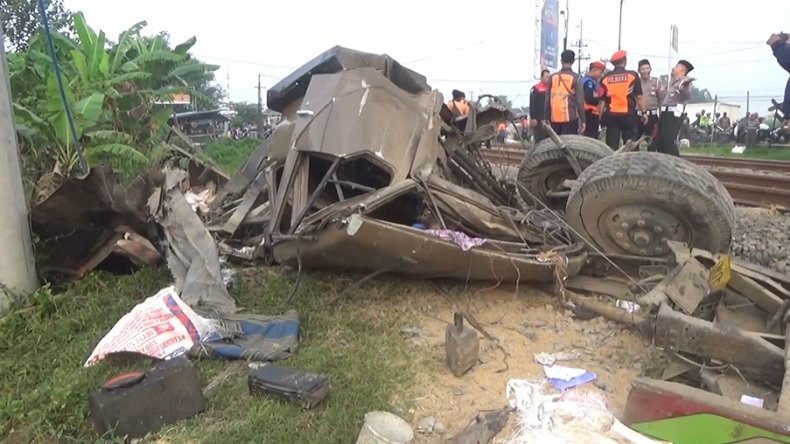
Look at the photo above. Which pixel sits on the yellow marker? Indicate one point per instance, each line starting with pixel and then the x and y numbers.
pixel 720 273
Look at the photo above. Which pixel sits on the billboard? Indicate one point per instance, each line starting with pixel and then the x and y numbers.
pixel 549 34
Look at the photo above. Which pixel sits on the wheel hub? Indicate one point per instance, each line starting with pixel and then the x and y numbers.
pixel 643 230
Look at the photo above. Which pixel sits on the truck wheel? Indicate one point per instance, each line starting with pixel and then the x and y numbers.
pixel 632 203
pixel 545 167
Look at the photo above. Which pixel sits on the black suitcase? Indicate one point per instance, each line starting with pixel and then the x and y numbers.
pixel 134 404
pixel 290 385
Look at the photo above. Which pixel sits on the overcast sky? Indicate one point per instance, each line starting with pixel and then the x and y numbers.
pixel 476 47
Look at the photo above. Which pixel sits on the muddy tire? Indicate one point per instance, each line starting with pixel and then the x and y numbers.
pixel 545 167
pixel 632 203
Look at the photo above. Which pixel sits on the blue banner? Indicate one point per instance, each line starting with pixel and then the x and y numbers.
pixel 549 34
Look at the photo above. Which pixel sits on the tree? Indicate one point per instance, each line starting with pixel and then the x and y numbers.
pixel 700 95
pixel 505 101
pixel 112 92
pixel 246 114
pixel 21 21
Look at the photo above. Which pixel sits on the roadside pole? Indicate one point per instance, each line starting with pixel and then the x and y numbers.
pixel 17 264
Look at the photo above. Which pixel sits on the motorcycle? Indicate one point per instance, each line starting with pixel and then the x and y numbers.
pixel 782 132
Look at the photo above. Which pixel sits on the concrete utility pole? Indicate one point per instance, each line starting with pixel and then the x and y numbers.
pixel 580 45
pixel 259 125
pixel 17 264
pixel 620 28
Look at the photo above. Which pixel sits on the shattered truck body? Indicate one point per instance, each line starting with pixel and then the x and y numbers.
pixel 363 175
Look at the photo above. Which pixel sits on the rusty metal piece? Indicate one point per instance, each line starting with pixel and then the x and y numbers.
pixel 751 354
pixel 633 144
pixel 611 312
pixel 572 160
pixel 483 427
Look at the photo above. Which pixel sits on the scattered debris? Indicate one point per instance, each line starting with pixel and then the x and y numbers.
pixel 544 358
pixel 304 389
pixel 385 428
pixel 461 346
pixel 135 404
pixel 483 427
pixel 564 378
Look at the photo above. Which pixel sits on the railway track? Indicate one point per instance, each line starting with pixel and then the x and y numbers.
pixel 746 188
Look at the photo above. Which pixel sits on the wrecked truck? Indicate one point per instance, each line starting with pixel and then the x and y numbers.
pixel 369 171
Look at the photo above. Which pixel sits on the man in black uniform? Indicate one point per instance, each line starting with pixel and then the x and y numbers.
pixel 537 105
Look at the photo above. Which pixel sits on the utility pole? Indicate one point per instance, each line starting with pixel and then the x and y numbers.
pixel 580 45
pixel 567 17
pixel 259 125
pixel 17 264
pixel 620 28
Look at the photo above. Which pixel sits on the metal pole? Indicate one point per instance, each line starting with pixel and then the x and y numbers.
pixel 17 264
pixel 567 17
pixel 259 123
pixel 581 39
pixel 620 28
pixel 747 104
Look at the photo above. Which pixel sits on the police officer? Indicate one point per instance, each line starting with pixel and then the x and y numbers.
pixel 564 98
pixel 780 44
pixel 592 97
pixel 623 97
pixel 672 99
pixel 537 106
pixel 650 94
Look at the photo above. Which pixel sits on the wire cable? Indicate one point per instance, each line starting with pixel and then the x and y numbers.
pixel 61 89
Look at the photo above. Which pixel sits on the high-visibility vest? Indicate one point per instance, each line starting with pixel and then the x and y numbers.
pixel 562 100
pixel 619 88
pixel 593 109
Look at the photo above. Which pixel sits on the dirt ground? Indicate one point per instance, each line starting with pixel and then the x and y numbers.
pixel 524 324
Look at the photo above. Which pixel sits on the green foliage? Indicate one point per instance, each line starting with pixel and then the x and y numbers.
pixel 112 90
pixel 230 154
pixel 21 20
pixel 246 114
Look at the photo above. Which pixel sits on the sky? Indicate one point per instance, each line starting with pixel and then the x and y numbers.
pixel 478 48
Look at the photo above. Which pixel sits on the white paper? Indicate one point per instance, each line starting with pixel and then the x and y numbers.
pixel 562 372
pixel 756 402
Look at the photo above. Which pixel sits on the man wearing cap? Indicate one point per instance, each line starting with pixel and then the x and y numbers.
pixel 537 106
pixel 672 100
pixel 623 97
pixel 564 98
pixel 780 45
pixel 650 94
pixel 592 97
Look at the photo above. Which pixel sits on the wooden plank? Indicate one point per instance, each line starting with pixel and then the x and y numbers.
pixel 763 280
pixel 782 278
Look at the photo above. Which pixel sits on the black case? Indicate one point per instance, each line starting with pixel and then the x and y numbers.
pixel 290 385
pixel 167 393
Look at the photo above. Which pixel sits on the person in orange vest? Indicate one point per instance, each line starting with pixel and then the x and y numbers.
pixel 564 98
pixel 622 91
pixel 501 132
pixel 458 105
pixel 592 97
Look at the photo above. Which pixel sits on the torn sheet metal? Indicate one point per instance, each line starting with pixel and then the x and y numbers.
pixel 752 355
pixel 81 223
pixel 191 252
pixel 378 244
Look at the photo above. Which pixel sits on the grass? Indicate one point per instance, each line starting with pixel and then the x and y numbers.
pixel 760 152
pixel 231 154
pixel 43 347
pixel 357 344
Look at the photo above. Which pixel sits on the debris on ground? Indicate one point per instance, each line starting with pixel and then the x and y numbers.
pixel 641 239
pixel 133 405
pixel 290 385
